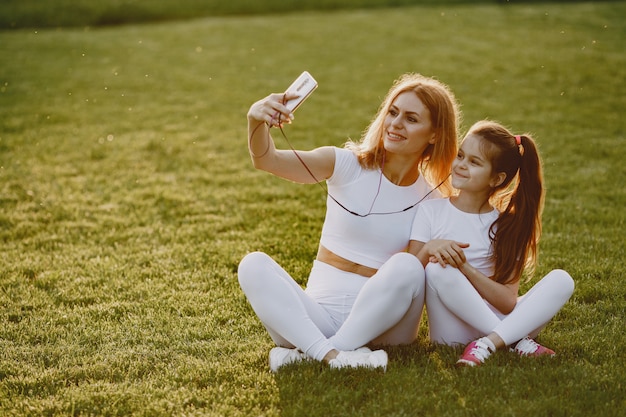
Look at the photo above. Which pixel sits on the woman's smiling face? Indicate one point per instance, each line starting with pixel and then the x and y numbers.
pixel 408 128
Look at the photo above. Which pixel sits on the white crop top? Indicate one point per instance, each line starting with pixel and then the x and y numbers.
pixel 371 240
pixel 440 219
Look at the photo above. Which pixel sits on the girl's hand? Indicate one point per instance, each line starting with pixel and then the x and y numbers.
pixel 272 110
pixel 446 252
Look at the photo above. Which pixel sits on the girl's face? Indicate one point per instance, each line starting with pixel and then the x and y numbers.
pixel 407 127
pixel 472 170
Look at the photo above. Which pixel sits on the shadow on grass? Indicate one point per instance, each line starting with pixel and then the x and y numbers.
pixel 313 389
pixel 422 379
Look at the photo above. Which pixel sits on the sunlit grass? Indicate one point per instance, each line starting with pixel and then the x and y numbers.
pixel 86 13
pixel 127 200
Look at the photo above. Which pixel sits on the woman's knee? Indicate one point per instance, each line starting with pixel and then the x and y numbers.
pixel 251 267
pixel 405 264
pixel 406 270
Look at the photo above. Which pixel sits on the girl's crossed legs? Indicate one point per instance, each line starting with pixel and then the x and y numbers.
pixel 457 314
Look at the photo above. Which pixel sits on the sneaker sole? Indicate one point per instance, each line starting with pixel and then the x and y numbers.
pixel 462 363
pixel 275 364
pixel 380 361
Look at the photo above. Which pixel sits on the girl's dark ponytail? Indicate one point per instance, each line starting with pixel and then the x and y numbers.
pixel 523 213
pixel 516 232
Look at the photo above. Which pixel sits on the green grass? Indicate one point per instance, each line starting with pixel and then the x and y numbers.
pixel 127 200
pixel 64 13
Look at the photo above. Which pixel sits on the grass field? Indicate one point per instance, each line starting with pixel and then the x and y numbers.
pixel 81 13
pixel 127 199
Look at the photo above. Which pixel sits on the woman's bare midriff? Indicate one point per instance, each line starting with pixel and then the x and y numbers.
pixel 332 259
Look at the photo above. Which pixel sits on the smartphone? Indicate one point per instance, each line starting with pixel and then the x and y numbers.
pixel 304 85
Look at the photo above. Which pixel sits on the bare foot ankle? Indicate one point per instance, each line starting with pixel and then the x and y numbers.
pixel 331 355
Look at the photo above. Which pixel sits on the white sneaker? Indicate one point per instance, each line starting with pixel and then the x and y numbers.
pixel 360 358
pixel 280 356
pixel 528 347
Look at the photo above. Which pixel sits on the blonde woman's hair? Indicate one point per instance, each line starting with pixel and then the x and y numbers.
pixel 436 161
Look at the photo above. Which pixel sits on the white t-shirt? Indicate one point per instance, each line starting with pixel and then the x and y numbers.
pixel 370 240
pixel 440 219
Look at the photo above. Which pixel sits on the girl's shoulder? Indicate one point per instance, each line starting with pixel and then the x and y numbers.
pixel 436 203
pixel 434 206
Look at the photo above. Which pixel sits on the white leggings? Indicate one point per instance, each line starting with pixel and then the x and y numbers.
pixel 457 314
pixel 339 310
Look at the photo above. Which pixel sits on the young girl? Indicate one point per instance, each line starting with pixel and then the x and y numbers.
pixel 363 286
pixel 476 245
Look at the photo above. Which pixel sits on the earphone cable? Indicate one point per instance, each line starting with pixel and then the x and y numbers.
pixel 369 213
pixel 325 188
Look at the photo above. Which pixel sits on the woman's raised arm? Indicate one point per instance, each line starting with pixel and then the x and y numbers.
pixel 305 167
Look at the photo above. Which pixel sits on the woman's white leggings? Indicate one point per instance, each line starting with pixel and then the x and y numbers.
pixel 338 310
pixel 457 314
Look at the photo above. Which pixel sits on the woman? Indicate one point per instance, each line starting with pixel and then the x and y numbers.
pixel 477 244
pixel 363 286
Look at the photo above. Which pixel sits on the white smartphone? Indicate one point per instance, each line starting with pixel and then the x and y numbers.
pixel 304 85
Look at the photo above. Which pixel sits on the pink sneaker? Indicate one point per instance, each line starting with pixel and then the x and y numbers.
pixel 528 347
pixel 474 354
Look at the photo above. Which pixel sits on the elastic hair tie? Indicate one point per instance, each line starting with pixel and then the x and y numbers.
pixel 520 147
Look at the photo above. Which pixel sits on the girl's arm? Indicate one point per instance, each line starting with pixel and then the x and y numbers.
pixel 271 111
pixel 448 252
pixel 443 251
pixel 415 248
pixel 501 296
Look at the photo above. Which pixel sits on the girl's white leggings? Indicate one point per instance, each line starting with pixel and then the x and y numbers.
pixel 338 310
pixel 457 314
